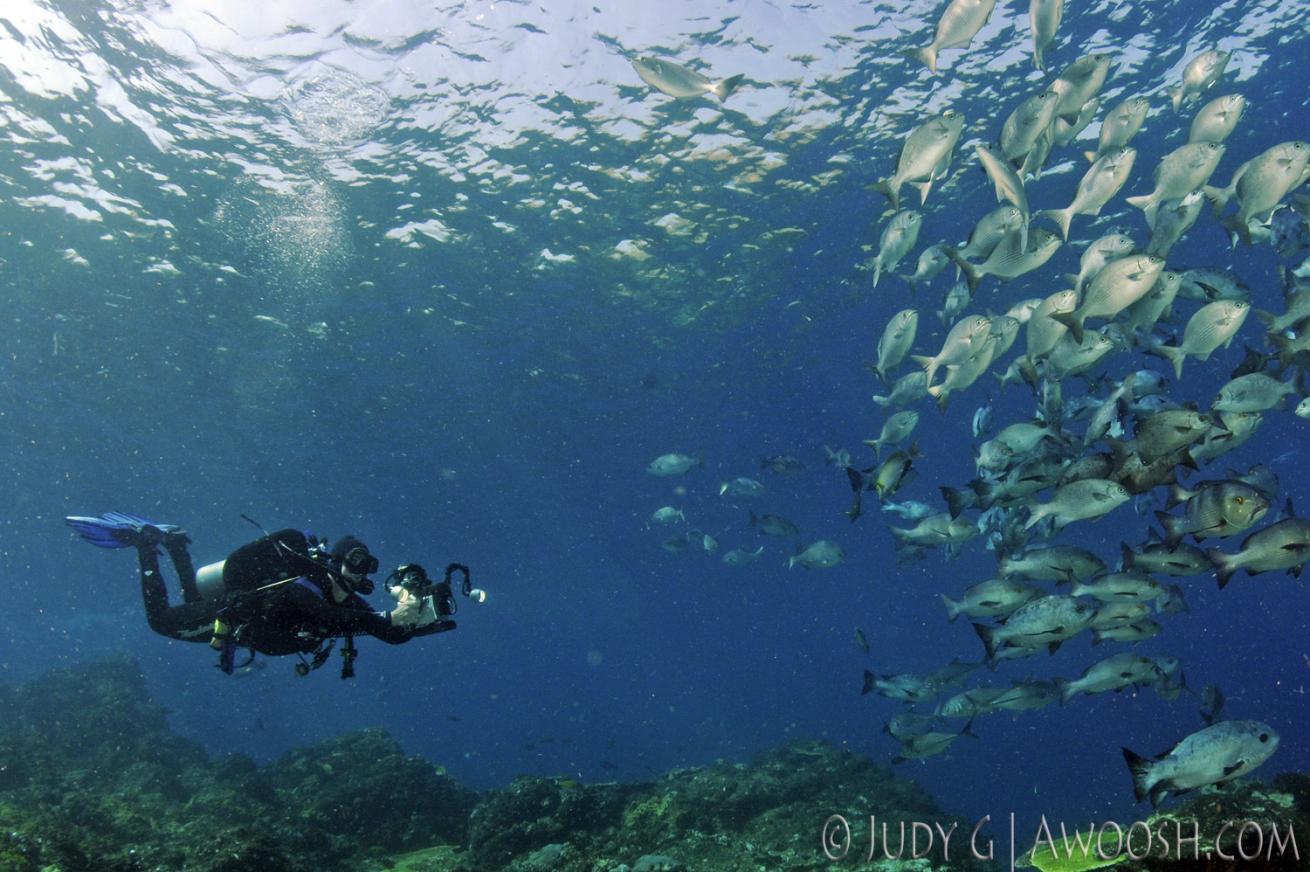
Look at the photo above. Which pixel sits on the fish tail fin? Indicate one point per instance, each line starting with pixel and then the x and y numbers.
pixel 1224 566
pixel 1091 156
pixel 923 188
pixel 1061 217
pixel 1064 686
pixel 726 88
pixel 1129 556
pixel 890 190
pixel 952 607
pixel 926 56
pixel 791 561
pixel 1174 529
pixel 1140 767
pixel 1174 355
pixel 957 500
pixel 877 271
pixel 868 683
pixel 1142 202
pixel 879 400
pixel 1239 228
pixel 1176 98
pixel 1265 318
pixel 987 635
pixel 1218 198
pixel 1177 494
pixel 1073 320
pixel 1035 517
pixel 971 272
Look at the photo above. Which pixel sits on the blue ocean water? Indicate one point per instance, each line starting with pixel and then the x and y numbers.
pixel 450 279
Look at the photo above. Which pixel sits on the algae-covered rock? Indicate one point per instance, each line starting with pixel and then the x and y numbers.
pixel 731 817
pixel 91 778
pixel 361 788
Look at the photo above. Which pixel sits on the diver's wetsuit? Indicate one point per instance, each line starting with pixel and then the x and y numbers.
pixel 293 617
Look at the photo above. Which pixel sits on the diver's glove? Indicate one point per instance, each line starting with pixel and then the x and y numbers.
pixel 408 611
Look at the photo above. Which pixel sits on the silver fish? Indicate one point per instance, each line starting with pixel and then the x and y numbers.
pixel 957 27
pixel 673 464
pixel 1101 182
pixel 898 237
pixel 909 388
pixel 823 554
pixel 1009 259
pixel 1112 673
pixel 995 598
pixel 1110 247
pixel 932 260
pixel 679 81
pixel 1116 286
pixel 1027 123
pixel 957 300
pixel 1213 325
pixel 1045 621
pixel 1173 219
pixel 1044 19
pixel 1217 119
pixel 1184 169
pixel 897 428
pixel 1007 183
pixel 774 525
pixel 1210 756
pixel 742 487
pixel 667 515
pixel 925 156
pixel 1079 501
pixel 1080 82
pixel 1256 392
pixel 1285 545
pixel 738 557
pixel 1200 73
pixel 897 338
pixel 1120 126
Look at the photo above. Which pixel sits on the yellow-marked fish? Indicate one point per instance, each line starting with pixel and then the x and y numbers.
pixel 1215 510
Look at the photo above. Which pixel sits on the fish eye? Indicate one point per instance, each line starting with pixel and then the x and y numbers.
pixel 1264 737
pixel 1239 500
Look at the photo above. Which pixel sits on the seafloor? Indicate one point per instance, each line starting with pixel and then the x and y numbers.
pixel 91 778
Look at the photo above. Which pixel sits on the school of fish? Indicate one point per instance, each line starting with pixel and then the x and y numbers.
pixel 1119 439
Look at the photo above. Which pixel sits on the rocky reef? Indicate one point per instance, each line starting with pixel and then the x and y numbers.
pixel 91 778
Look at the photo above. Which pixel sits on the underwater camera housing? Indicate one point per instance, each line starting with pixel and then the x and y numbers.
pixel 438 596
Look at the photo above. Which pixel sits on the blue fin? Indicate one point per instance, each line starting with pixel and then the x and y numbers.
pixel 114 529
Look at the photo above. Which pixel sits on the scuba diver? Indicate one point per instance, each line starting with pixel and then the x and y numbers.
pixel 285 593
